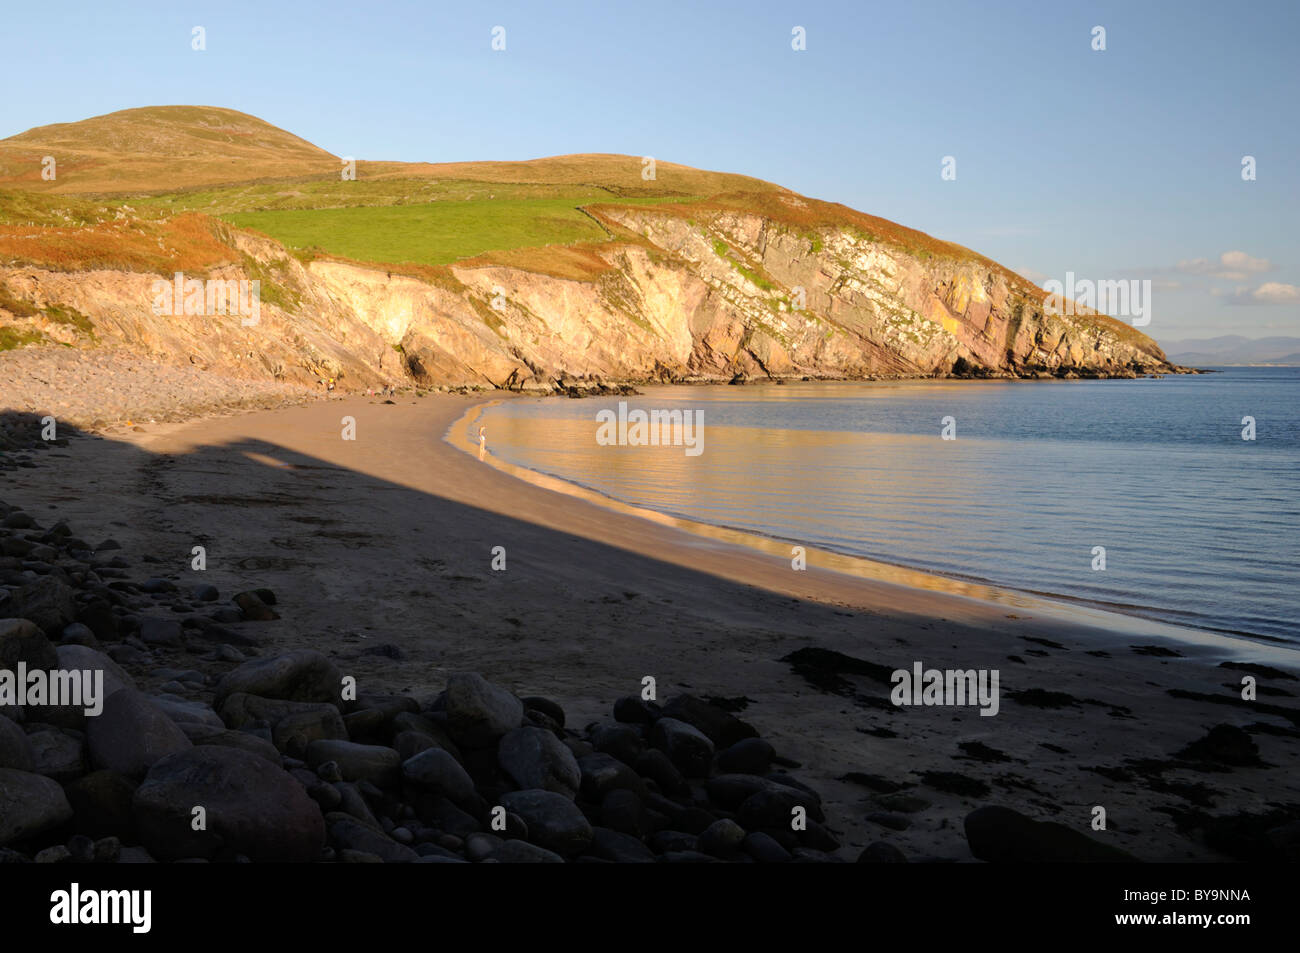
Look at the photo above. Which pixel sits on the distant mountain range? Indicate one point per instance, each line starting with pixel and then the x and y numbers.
pixel 1234 349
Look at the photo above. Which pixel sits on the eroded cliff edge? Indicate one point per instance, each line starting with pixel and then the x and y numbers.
pixel 706 291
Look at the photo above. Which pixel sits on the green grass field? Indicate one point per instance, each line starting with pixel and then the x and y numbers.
pixel 431 233
pixel 333 193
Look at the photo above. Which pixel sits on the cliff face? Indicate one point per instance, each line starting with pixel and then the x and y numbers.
pixel 711 296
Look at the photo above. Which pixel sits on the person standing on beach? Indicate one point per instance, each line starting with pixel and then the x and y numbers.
pixel 482 442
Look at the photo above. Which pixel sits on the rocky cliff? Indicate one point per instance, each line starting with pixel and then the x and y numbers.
pixel 709 291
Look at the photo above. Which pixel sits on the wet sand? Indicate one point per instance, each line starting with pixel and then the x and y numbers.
pixel 389 538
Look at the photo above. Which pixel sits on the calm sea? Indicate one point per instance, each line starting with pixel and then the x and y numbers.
pixel 1199 526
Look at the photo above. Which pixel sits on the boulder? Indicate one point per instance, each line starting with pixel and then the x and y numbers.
pixel 535 758
pixel 554 822
pixel 722 838
pixel 131 734
pixel 765 849
pixel 550 709
pixel 244 741
pixel 658 767
pixel 748 756
pixel 29 804
pixel 15 750
pixel 60 754
pixel 241 709
pixel 622 741
pixel 357 762
pixel 101 804
pixel 602 773
pixel 254 607
pixel 620 848
pixel 49 602
pixel 156 630
pixel 75 657
pixel 689 749
pixel 252 808
pixel 478 712
pixel 881 852
pixel 21 640
pixel 97 615
pixel 303 675
pixel 436 770
pixel 313 722
pixel 348 833
pixel 771 807
pixel 183 711
pixel 435 731
pixel 722 728
pixel 631 709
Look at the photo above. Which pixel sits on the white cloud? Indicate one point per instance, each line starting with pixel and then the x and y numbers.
pixel 1271 292
pixel 1240 261
pixel 1275 292
pixel 1231 266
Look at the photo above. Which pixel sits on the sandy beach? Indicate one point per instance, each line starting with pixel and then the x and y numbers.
pixel 388 539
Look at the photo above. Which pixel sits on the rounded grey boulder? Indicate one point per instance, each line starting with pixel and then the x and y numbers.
pixel 478 712
pixel 131 734
pixel 48 601
pixel 304 675
pixel 251 807
pixel 436 770
pixel 22 641
pixel 29 804
pixel 554 822
pixel 689 749
pixel 357 762
pixel 535 758
pixel 15 749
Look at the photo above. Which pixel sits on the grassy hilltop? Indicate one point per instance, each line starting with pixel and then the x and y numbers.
pixel 153 164
pixel 687 275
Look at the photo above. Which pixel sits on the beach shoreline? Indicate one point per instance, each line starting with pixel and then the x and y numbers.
pixel 1111 620
pixel 388 539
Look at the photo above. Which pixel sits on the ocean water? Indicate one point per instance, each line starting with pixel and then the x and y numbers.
pixel 1200 527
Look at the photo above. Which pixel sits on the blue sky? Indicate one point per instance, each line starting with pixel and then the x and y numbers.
pixel 1123 163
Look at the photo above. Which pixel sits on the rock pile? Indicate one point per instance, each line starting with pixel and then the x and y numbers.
pixel 240 757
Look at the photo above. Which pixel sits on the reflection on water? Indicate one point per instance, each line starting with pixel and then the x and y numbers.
pixel 1199 527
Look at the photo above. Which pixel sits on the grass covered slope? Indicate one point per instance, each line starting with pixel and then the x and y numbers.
pixel 511 273
pixel 174 159
pixel 157 148
pixel 430 233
